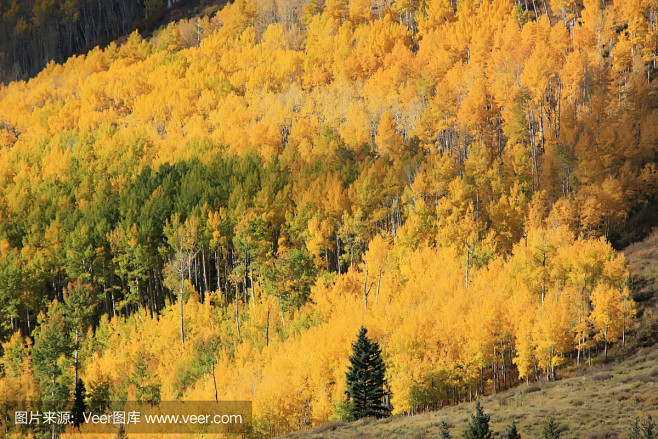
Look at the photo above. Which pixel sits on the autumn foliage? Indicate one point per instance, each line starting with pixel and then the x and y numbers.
pixel 219 209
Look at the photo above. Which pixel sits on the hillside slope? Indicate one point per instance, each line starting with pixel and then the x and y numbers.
pixel 214 212
pixel 599 401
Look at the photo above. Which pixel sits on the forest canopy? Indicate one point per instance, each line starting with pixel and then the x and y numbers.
pixel 449 174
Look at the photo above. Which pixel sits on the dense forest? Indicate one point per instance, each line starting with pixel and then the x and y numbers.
pixel 34 32
pixel 214 212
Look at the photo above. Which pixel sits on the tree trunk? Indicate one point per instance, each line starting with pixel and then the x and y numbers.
pixel 205 274
pixel 468 262
pixel 365 290
pixel 180 299
pixel 267 328
pixel 77 349
pixel 251 279
pixel 338 253
pixel 379 282
pixel 219 286
pixel 494 370
pixel 237 319
pixel 214 380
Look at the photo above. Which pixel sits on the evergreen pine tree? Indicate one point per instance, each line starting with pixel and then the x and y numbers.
pixel 365 379
pixel 479 426
pixel 649 428
pixel 51 355
pixel 512 432
pixel 79 406
pixel 445 433
pixel 551 429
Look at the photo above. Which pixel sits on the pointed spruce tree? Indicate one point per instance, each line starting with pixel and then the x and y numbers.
pixel 365 379
pixel 79 405
pixel 649 428
pixel 51 356
pixel 445 431
pixel 479 426
pixel 551 430
pixel 512 432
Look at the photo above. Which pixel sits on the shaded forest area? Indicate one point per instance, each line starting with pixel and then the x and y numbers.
pixel 35 32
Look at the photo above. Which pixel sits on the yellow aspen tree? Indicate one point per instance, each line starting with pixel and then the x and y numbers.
pixel 607 315
pixel 359 11
pixel 551 334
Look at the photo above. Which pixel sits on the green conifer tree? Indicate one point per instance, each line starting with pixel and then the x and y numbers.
pixel 479 426
pixel 51 355
pixel 551 430
pixel 636 431
pixel 365 379
pixel 649 428
pixel 79 405
pixel 445 433
pixel 512 432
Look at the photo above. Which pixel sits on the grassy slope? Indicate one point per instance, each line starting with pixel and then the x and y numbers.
pixel 594 402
